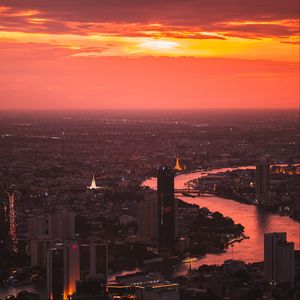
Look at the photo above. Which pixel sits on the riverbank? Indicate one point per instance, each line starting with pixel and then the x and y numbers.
pixel 256 222
pixel 209 232
pixel 239 185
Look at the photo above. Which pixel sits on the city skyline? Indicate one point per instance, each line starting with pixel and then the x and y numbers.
pixel 147 55
pixel 149 150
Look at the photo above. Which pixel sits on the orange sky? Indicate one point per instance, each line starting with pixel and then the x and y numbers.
pixel 91 54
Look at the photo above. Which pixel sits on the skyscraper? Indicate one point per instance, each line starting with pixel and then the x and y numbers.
pixel 148 219
pixel 278 258
pixel 262 181
pixel 62 226
pixel 57 226
pixel 55 274
pixel 4 221
pixel 167 210
pixel 12 221
pixel 38 252
pixel 62 270
pixel 93 261
pixel 8 230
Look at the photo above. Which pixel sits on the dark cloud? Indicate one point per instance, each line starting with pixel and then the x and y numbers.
pixel 208 14
pixel 171 12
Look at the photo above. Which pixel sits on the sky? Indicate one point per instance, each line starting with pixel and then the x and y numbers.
pixel 149 54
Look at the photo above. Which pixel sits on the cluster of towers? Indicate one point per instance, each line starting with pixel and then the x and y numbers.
pixel 71 266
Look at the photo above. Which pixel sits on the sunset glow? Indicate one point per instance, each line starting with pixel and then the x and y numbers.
pixel 62 54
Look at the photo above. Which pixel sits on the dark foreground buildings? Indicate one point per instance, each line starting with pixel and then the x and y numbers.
pixel 279 261
pixel 77 270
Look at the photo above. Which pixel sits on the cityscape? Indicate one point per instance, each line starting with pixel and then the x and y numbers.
pixel 149 150
pixel 100 206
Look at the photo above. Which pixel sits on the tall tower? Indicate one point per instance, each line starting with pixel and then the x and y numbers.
pixel 279 261
pixel 61 226
pixel 12 221
pixel 8 230
pixel 262 181
pixel 4 221
pixel 62 271
pixel 148 219
pixel 56 226
pixel 167 210
pixel 93 261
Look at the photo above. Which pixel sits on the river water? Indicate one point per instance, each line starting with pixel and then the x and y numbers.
pixel 255 221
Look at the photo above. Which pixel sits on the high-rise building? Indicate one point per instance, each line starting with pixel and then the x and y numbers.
pixel 62 270
pixel 262 181
pixel 43 232
pixel 279 264
pixel 167 210
pixel 93 261
pixel 62 226
pixel 8 230
pixel 12 221
pixel 99 260
pixel 57 226
pixel 148 219
pixel 55 274
pixel 38 252
pixel 4 221
pixel 69 263
pixel 38 228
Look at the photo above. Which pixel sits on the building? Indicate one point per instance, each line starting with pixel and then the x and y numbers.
pixel 262 181
pixel 167 210
pixel 4 221
pixel 279 262
pixel 93 288
pixel 38 252
pixel 8 230
pixel 70 265
pixel 62 270
pixel 126 219
pixel 38 228
pixel 62 226
pixel 93 261
pixel 44 232
pixel 162 292
pixel 149 286
pixel 177 165
pixel 93 185
pixel 57 226
pixel 148 219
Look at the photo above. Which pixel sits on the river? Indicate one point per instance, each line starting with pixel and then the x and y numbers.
pixel 255 221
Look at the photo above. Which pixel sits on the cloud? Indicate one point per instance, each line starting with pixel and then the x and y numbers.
pixel 177 18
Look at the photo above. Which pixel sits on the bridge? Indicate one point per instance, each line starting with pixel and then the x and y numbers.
pixel 192 192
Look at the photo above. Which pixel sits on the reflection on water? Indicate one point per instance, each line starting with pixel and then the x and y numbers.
pixel 262 220
pixel 255 221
